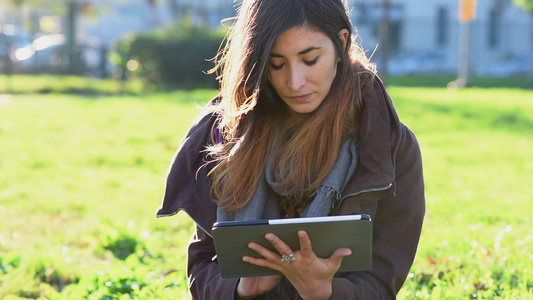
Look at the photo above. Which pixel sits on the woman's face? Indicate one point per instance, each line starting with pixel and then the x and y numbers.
pixel 303 65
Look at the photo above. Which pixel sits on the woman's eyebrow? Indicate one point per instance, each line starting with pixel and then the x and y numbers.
pixel 299 53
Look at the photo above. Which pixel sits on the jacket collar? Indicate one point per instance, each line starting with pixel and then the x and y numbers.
pixel 378 137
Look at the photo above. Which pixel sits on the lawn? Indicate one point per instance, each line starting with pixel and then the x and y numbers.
pixel 81 178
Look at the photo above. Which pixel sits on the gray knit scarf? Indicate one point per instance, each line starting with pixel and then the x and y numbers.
pixel 264 205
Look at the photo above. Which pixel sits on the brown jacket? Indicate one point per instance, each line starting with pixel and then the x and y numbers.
pixel 387 184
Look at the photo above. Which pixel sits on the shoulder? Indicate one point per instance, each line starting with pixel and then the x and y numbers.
pixel 187 183
pixel 203 128
pixel 408 152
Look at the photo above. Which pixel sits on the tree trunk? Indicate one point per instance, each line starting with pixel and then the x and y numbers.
pixel 153 14
pixel 384 38
pixel 74 54
pixel 530 75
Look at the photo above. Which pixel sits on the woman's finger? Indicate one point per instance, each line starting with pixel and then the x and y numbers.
pixel 264 252
pixel 336 258
pixel 305 243
pixel 282 248
pixel 269 258
pixel 341 252
pixel 262 262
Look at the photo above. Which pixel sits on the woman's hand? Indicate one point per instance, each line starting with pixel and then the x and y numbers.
pixel 310 275
pixel 250 287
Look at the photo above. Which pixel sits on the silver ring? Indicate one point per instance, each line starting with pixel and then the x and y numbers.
pixel 288 258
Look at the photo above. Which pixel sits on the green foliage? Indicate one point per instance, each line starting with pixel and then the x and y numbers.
pixel 55 5
pixel 81 177
pixel 175 58
pixel 123 244
pixel 526 4
pixel 37 275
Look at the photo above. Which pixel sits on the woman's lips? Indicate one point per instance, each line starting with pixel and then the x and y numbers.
pixel 300 98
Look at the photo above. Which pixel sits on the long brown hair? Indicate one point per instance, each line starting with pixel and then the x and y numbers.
pixel 250 110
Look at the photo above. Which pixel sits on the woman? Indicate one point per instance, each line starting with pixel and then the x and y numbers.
pixel 302 127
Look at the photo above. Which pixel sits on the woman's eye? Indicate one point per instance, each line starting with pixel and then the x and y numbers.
pixel 276 67
pixel 311 63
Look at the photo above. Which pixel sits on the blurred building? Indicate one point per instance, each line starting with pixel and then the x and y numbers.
pixel 424 35
pixel 112 20
pixel 35 35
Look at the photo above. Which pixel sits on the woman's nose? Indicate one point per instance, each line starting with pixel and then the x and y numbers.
pixel 296 80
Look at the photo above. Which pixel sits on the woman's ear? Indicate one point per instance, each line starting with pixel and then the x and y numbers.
pixel 344 35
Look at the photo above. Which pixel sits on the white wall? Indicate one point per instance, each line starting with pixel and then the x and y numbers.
pixel 419 30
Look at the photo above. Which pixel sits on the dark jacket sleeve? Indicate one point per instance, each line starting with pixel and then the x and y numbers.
pixel 187 184
pixel 203 273
pixel 187 189
pixel 398 222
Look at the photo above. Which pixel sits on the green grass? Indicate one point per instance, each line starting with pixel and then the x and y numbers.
pixel 50 84
pixel 80 181
pixel 443 81
pixel 477 146
pixel 81 178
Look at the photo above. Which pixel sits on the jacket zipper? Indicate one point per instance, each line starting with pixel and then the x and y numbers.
pixel 336 204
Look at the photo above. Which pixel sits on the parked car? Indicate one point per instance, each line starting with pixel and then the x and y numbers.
pixel 11 37
pixel 50 53
pixel 46 50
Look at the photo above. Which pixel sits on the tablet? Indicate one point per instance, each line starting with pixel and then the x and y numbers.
pixel 326 233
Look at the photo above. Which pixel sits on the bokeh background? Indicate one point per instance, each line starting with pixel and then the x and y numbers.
pixel 98 38
pixel 95 97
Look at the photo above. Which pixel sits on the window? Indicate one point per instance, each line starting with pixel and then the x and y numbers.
pixel 396 17
pixel 494 28
pixel 442 26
